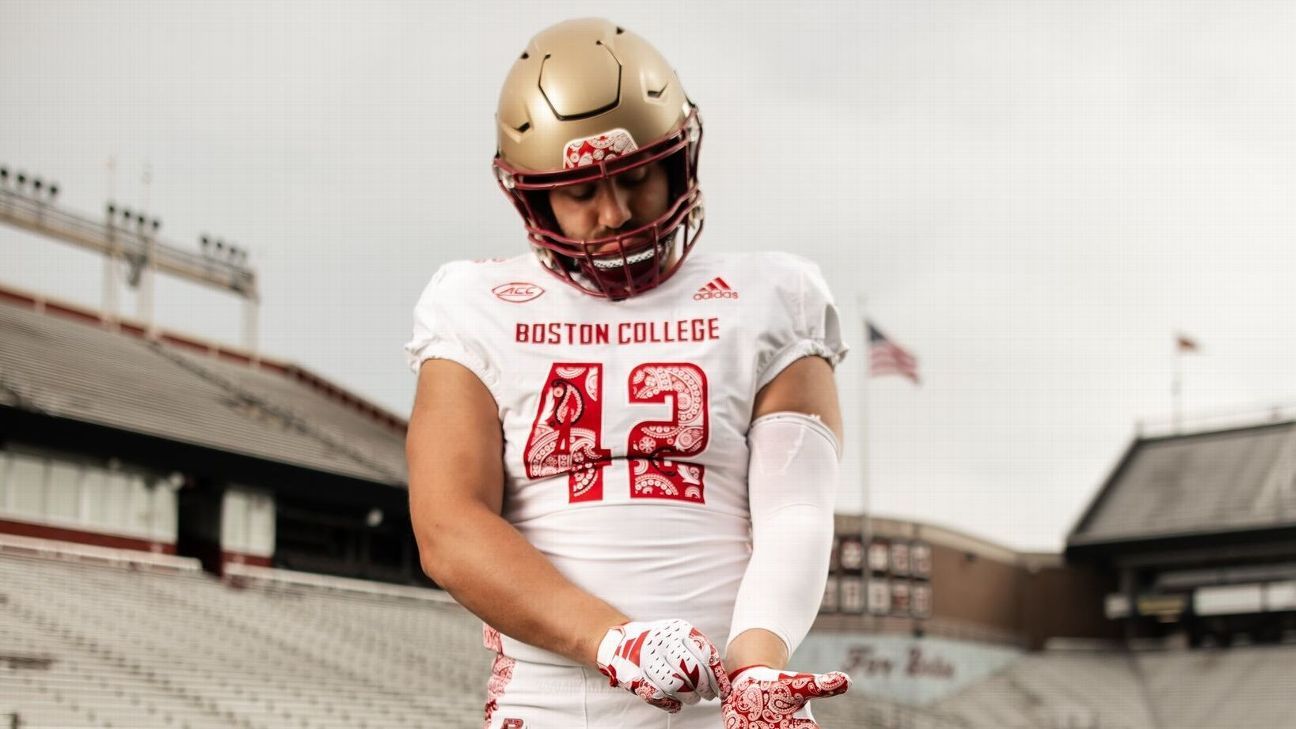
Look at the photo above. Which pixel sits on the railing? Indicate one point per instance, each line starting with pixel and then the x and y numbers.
pixel 52 549
pixel 273 575
pixel 133 242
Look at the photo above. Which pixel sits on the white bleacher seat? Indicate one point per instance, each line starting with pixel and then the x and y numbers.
pixel 158 647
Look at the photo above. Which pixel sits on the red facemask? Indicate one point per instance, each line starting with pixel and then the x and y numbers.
pixel 624 266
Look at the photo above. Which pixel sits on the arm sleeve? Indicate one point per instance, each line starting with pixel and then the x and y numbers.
pixel 439 331
pixel 810 323
pixel 792 482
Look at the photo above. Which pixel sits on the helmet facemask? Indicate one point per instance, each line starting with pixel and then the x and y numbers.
pixel 635 259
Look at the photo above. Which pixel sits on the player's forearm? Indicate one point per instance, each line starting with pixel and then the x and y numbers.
pixel 783 585
pixel 487 566
pixel 756 647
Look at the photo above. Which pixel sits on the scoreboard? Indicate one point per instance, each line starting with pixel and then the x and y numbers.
pixel 891 577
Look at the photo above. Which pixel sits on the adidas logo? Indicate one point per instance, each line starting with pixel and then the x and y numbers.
pixel 716 289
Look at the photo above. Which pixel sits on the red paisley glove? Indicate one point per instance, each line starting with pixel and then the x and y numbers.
pixel 667 663
pixel 763 698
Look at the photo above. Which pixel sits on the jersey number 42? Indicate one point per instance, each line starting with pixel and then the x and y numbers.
pixel 567 436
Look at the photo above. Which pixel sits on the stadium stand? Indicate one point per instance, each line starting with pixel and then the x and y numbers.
pixel 154 387
pixel 103 645
pixel 155 642
pixel 1103 689
pixel 1235 687
pixel 232 457
pixel 1058 689
pixel 856 709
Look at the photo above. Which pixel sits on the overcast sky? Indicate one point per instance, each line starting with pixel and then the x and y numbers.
pixel 1033 196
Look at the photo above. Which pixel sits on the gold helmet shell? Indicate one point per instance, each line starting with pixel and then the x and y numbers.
pixel 586 100
pixel 581 78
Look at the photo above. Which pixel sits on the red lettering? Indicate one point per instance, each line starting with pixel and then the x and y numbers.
pixel 862 659
pixel 920 665
pixel 667 333
pixel 638 332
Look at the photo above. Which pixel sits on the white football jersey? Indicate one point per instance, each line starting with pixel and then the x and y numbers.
pixel 625 422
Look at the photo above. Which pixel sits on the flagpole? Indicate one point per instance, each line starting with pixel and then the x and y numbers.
pixel 866 505
pixel 1176 389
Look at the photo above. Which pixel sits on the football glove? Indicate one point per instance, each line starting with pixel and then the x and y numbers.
pixel 769 699
pixel 667 663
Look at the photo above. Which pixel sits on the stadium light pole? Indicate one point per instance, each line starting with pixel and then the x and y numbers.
pixel 114 247
pixel 29 202
pixel 110 265
pixel 145 298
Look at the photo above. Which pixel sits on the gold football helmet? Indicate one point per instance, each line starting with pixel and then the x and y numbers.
pixel 588 100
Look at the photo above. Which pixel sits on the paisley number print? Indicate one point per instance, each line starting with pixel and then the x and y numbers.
pixel 659 474
pixel 568 431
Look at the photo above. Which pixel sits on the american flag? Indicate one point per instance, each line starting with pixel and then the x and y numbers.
pixel 888 358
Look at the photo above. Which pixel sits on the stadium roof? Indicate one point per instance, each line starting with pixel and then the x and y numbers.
pixel 1229 481
pixel 65 361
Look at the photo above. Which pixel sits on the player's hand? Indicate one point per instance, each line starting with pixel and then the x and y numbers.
pixel 667 663
pixel 769 699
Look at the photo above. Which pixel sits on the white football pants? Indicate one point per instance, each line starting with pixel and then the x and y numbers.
pixel 525 695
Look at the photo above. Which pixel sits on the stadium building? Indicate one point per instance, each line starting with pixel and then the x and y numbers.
pixel 1200 532
pixel 1173 605
pixel 174 445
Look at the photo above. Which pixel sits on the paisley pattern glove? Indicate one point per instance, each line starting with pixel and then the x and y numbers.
pixel 764 698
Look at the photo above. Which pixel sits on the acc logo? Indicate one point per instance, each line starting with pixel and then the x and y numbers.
pixel 517 292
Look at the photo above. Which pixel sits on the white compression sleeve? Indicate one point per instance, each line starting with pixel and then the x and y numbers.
pixel 791 482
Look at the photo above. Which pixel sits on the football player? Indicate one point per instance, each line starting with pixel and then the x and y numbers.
pixel 623 453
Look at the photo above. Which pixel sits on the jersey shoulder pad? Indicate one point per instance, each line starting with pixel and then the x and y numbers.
pixel 787 276
pixel 509 279
pixel 791 266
